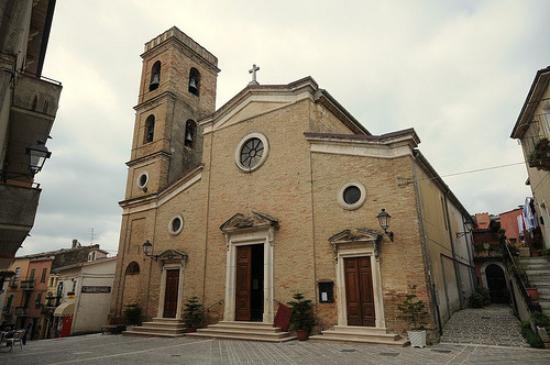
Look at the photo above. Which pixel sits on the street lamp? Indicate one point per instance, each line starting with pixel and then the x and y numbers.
pixel 38 153
pixel 384 219
pixel 148 248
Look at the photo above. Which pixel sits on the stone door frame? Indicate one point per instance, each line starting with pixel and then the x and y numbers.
pixel 344 253
pixel 233 240
pixel 166 267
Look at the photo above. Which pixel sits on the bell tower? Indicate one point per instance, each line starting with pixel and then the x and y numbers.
pixel 177 89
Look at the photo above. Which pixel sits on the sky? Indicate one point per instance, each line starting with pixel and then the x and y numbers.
pixel 456 71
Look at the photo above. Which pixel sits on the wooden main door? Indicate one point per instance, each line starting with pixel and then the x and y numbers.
pixel 359 291
pixel 243 285
pixel 171 293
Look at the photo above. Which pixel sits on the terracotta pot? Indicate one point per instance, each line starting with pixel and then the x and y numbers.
pixel 533 293
pixel 302 335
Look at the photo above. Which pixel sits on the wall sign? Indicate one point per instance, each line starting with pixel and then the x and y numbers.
pixel 96 289
pixel 326 292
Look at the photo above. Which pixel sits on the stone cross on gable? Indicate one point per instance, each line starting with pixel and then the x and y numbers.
pixel 253 72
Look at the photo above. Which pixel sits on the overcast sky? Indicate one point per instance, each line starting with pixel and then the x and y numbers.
pixel 456 71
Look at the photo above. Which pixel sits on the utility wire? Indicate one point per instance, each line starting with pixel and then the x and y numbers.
pixel 483 169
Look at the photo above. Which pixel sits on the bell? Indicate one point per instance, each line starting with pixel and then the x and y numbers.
pixel 193 85
pixel 189 137
pixel 154 82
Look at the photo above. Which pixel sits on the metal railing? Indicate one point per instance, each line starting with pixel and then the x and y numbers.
pixel 521 279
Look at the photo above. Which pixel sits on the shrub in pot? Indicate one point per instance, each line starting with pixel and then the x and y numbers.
pixel 193 314
pixel 132 315
pixel 414 312
pixel 301 318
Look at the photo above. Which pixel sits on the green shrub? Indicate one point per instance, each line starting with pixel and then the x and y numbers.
pixel 480 298
pixel 132 314
pixel 531 337
pixel 540 319
pixel 302 313
pixel 414 312
pixel 193 314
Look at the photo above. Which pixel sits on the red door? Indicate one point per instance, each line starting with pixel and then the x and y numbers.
pixel 359 291
pixel 66 328
pixel 171 293
pixel 243 285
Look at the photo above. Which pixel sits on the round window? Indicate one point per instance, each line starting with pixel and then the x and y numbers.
pixel 251 152
pixel 176 225
pixel 142 180
pixel 352 196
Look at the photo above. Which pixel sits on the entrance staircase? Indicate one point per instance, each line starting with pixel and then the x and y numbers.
pixel 159 327
pixel 360 334
pixel 251 331
pixel 538 271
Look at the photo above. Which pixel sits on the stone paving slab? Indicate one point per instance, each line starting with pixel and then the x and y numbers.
pixel 492 325
pixel 127 350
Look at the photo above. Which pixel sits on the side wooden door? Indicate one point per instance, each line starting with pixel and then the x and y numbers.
pixel 359 291
pixel 171 293
pixel 243 285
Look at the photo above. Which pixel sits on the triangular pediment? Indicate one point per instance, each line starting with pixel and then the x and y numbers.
pixel 355 235
pixel 171 255
pixel 256 220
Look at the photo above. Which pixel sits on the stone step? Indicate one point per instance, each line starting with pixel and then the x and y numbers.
pixel 360 334
pixel 243 327
pixel 361 339
pixel 247 324
pixel 545 305
pixel 167 325
pixel 215 331
pixel 538 272
pixel 535 264
pixel 244 336
pixel 157 329
pixel 533 259
pixel 154 334
pixel 167 320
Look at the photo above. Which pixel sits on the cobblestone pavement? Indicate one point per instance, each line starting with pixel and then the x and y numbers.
pixel 492 325
pixel 122 350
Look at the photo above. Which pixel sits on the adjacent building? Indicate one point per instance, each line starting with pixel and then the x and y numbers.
pixel 532 129
pixel 33 292
pixel 28 106
pixel 85 290
pixel 280 190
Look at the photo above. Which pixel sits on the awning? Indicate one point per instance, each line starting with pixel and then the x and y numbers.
pixel 64 310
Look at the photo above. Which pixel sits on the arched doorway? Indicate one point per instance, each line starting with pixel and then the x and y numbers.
pixel 496 282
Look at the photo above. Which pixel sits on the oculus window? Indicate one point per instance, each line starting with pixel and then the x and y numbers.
pixel 175 225
pixel 251 152
pixel 351 196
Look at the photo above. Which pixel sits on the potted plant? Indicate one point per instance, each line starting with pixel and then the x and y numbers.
pixel 301 318
pixel 414 312
pixel 193 314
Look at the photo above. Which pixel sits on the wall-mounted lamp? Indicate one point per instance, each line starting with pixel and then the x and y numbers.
pixel 38 153
pixel 384 219
pixel 148 250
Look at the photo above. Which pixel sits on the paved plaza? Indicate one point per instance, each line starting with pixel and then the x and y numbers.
pixel 492 325
pixel 117 349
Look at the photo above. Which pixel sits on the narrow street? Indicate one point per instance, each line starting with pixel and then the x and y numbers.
pixel 492 325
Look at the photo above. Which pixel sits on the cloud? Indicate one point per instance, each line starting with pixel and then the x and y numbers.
pixel 458 72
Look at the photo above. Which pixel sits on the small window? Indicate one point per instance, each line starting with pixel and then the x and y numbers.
pixel 142 180
pixel 352 196
pixel 132 268
pixel 33 271
pixel 176 225
pixel 43 276
pixel 17 272
pixel 149 129
pixel 445 223
pixel 190 133
pixel 194 81
pixel 155 76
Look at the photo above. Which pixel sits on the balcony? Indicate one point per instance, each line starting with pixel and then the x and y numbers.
pixel 33 110
pixel 540 155
pixel 17 212
pixel 487 251
pixel 27 284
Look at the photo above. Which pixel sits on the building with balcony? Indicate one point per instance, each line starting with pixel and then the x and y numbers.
pixel 33 293
pixel 28 106
pixel 532 129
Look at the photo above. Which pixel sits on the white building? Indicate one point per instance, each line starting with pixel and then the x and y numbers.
pixel 86 296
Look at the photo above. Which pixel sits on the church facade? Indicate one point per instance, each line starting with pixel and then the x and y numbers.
pixel 278 191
